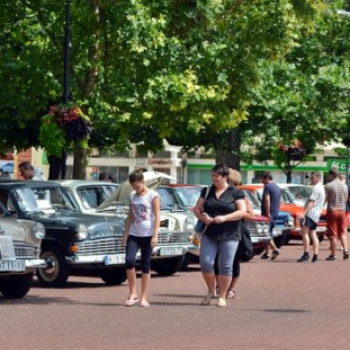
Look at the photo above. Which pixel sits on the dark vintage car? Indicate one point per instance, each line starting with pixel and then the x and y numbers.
pixel 75 243
pixel 19 254
pixel 98 198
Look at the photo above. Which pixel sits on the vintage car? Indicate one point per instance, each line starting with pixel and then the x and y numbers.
pixel 75 243
pixel 19 254
pixel 176 225
pixel 289 206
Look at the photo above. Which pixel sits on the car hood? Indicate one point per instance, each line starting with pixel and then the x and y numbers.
pixel 152 180
pixel 98 227
pixel 14 229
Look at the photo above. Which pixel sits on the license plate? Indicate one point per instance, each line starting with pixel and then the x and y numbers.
pixel 12 266
pixel 114 259
pixel 170 251
pixel 321 229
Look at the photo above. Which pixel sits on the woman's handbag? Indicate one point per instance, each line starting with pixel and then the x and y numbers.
pixel 200 225
pixel 245 247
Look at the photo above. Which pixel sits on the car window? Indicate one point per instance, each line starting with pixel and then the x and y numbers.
pixel 92 196
pixel 300 192
pixel 187 196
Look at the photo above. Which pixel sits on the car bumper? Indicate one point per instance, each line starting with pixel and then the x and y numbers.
pixel 172 250
pixel 35 263
pixel 108 259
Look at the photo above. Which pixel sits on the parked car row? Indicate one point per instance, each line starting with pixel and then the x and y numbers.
pixel 75 227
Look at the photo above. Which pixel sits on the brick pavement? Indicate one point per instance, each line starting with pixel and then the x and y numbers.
pixel 280 304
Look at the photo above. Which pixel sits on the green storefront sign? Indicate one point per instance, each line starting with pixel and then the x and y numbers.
pixel 340 164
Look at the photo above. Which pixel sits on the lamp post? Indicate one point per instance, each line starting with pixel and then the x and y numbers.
pixel 65 97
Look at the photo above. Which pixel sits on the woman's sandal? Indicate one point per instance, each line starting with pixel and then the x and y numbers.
pixel 230 294
pixel 207 299
pixel 221 302
pixel 131 302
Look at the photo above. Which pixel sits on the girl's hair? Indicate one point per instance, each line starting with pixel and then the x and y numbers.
pixel 234 177
pixel 135 176
pixel 221 169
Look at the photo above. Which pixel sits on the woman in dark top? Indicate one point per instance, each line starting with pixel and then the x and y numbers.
pixel 221 211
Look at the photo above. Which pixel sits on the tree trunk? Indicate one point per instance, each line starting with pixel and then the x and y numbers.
pixel 230 152
pixel 81 161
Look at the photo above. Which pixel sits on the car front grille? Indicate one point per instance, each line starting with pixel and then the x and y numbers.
pixel 22 252
pixel 173 237
pixel 252 226
pixel 100 247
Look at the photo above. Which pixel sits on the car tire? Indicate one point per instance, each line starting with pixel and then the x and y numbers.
pixel 167 266
pixel 57 271
pixel 186 261
pixel 280 240
pixel 17 286
pixel 114 276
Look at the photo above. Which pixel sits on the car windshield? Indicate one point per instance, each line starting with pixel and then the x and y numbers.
pixel 179 197
pixel 41 199
pixel 255 202
pixel 300 193
pixel 286 196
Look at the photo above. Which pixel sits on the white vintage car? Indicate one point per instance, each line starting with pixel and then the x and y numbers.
pixel 98 198
pixel 19 254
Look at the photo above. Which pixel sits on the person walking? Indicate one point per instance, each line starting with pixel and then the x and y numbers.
pixel 337 196
pixel 347 205
pixel 141 232
pixel 311 216
pixel 221 211
pixel 270 205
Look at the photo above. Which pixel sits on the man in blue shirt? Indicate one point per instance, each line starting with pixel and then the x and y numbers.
pixel 270 206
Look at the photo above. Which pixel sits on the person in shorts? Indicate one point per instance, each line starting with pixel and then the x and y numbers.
pixel 311 216
pixel 337 196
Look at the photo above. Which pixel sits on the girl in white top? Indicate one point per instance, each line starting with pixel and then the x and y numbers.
pixel 141 232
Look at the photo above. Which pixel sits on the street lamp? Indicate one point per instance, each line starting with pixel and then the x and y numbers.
pixel 65 97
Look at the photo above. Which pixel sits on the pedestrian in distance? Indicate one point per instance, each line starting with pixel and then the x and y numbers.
pixel 270 205
pixel 337 195
pixel 104 176
pixel 311 216
pixel 221 211
pixel 30 173
pixel 347 205
pixel 141 232
pixel 235 178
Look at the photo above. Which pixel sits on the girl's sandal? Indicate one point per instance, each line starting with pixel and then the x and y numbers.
pixel 207 299
pixel 221 302
pixel 230 294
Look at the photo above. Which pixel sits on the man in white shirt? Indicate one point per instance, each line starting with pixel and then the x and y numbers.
pixel 310 218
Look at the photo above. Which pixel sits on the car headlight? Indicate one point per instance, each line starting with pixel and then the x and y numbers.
pixel 266 229
pixel 82 231
pixel 38 231
pixel 259 229
pixel 190 222
pixel 290 221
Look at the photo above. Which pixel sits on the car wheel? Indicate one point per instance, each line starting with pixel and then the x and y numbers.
pixel 288 238
pixel 280 240
pixel 17 286
pixel 167 266
pixel 186 261
pixel 57 272
pixel 114 276
pixel 321 238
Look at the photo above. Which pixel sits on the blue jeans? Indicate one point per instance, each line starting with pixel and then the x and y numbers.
pixel 132 246
pixel 226 251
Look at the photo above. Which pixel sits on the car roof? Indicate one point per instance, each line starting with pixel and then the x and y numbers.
pixel 178 185
pixel 23 183
pixel 79 183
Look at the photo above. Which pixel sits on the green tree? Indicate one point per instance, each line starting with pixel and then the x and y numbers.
pixel 144 70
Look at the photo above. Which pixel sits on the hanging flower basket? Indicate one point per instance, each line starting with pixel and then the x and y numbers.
pixel 63 126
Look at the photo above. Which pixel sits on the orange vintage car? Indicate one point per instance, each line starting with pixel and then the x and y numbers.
pixel 287 204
